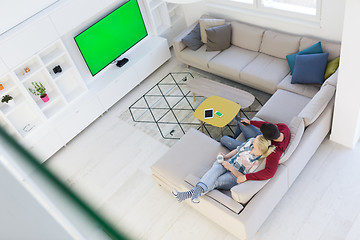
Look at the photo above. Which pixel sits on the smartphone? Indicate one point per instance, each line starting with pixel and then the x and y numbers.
pixel 245 123
pixel 219 114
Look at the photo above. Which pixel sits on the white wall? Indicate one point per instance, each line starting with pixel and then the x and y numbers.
pixel 346 121
pixel 193 11
pixel 15 12
pixel 330 27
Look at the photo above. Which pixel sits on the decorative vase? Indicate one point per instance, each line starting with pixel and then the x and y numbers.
pixel 45 98
pixel 1 86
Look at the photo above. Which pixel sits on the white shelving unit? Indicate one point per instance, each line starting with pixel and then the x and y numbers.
pixel 75 102
pixel 68 83
pixel 29 112
pixel 21 117
pixel 175 13
pixel 167 19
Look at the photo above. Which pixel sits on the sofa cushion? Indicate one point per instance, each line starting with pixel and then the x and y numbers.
pixel 246 36
pixel 297 128
pixel 279 44
pixel 317 104
pixel 232 60
pixel 217 195
pixel 193 39
pixel 207 23
pixel 218 37
pixel 282 107
pixel 310 68
pixel 307 90
pixel 328 47
pixel 200 57
pixel 316 48
pixel 264 72
pixel 331 67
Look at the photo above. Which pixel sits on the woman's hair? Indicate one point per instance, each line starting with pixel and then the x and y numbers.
pixel 265 146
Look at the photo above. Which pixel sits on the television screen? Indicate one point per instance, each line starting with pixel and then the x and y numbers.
pixel 111 36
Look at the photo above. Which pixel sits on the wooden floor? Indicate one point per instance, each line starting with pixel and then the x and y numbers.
pixel 108 163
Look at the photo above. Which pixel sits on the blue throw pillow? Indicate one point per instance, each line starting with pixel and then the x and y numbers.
pixel 316 48
pixel 310 68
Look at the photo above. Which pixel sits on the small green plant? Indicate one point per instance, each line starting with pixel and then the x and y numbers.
pixel 38 89
pixel 6 98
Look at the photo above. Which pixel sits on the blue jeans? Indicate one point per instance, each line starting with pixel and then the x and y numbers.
pixel 249 131
pixel 217 177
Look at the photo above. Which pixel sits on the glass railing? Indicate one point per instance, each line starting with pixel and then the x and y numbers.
pixel 47 194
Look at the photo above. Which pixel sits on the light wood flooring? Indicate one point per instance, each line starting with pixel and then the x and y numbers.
pixel 109 162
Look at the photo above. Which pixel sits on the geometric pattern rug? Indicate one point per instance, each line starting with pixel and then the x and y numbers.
pixel 169 105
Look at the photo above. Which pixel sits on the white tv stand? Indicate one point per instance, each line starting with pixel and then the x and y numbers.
pixel 76 99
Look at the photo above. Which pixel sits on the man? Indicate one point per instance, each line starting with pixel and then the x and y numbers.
pixel 279 135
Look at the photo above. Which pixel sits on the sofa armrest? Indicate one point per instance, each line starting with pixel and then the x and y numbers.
pixel 243 192
pixel 178 45
pixel 317 104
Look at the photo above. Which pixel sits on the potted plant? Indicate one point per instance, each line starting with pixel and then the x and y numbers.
pixel 39 90
pixel 7 99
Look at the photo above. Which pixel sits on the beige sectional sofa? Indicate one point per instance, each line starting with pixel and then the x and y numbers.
pixel 257 58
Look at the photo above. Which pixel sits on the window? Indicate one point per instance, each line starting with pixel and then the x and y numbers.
pixel 300 6
pixel 308 10
pixel 244 1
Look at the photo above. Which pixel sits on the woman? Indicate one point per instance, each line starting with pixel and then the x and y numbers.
pixel 242 160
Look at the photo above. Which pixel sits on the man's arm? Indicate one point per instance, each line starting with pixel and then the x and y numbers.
pixel 257 123
pixel 272 164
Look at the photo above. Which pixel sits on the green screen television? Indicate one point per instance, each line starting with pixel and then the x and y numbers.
pixel 110 37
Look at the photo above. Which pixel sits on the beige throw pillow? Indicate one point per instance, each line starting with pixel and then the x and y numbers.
pixel 208 23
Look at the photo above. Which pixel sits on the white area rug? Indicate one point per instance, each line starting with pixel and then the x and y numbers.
pixel 165 111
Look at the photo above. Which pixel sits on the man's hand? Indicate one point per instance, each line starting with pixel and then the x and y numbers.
pixel 241 179
pixel 245 122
